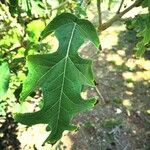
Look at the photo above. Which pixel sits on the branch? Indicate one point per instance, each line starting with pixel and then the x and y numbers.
pixel 118 16
pixel 99 12
pixel 118 11
pixel 100 95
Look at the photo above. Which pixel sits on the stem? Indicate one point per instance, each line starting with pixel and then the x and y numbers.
pixel 118 16
pixel 118 11
pixel 99 13
pixel 100 95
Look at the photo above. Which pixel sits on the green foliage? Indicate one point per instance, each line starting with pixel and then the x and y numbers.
pixel 145 34
pixel 141 23
pixel 110 3
pixel 35 7
pixel 13 6
pixel 4 78
pixel 146 3
pixel 61 76
pixel 4 83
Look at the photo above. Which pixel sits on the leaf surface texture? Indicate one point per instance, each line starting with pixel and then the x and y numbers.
pixel 61 76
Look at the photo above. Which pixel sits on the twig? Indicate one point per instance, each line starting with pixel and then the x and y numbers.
pixel 120 6
pixel 100 95
pixel 118 16
pixel 99 13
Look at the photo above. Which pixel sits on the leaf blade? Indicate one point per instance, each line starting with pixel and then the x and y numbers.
pixel 61 76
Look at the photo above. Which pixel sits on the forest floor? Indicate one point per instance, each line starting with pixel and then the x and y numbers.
pixel 121 118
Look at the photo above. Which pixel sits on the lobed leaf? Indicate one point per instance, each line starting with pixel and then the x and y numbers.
pixel 61 76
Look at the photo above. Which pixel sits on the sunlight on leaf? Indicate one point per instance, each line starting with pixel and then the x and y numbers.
pixel 61 76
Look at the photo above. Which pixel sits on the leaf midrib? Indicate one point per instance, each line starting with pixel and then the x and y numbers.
pixel 64 73
pixel 63 80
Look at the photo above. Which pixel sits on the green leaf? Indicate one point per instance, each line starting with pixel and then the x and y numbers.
pixel 110 3
pixel 84 26
pixel 141 24
pixel 61 76
pixel 146 3
pixel 141 46
pixel 13 6
pixel 145 34
pixel 4 78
